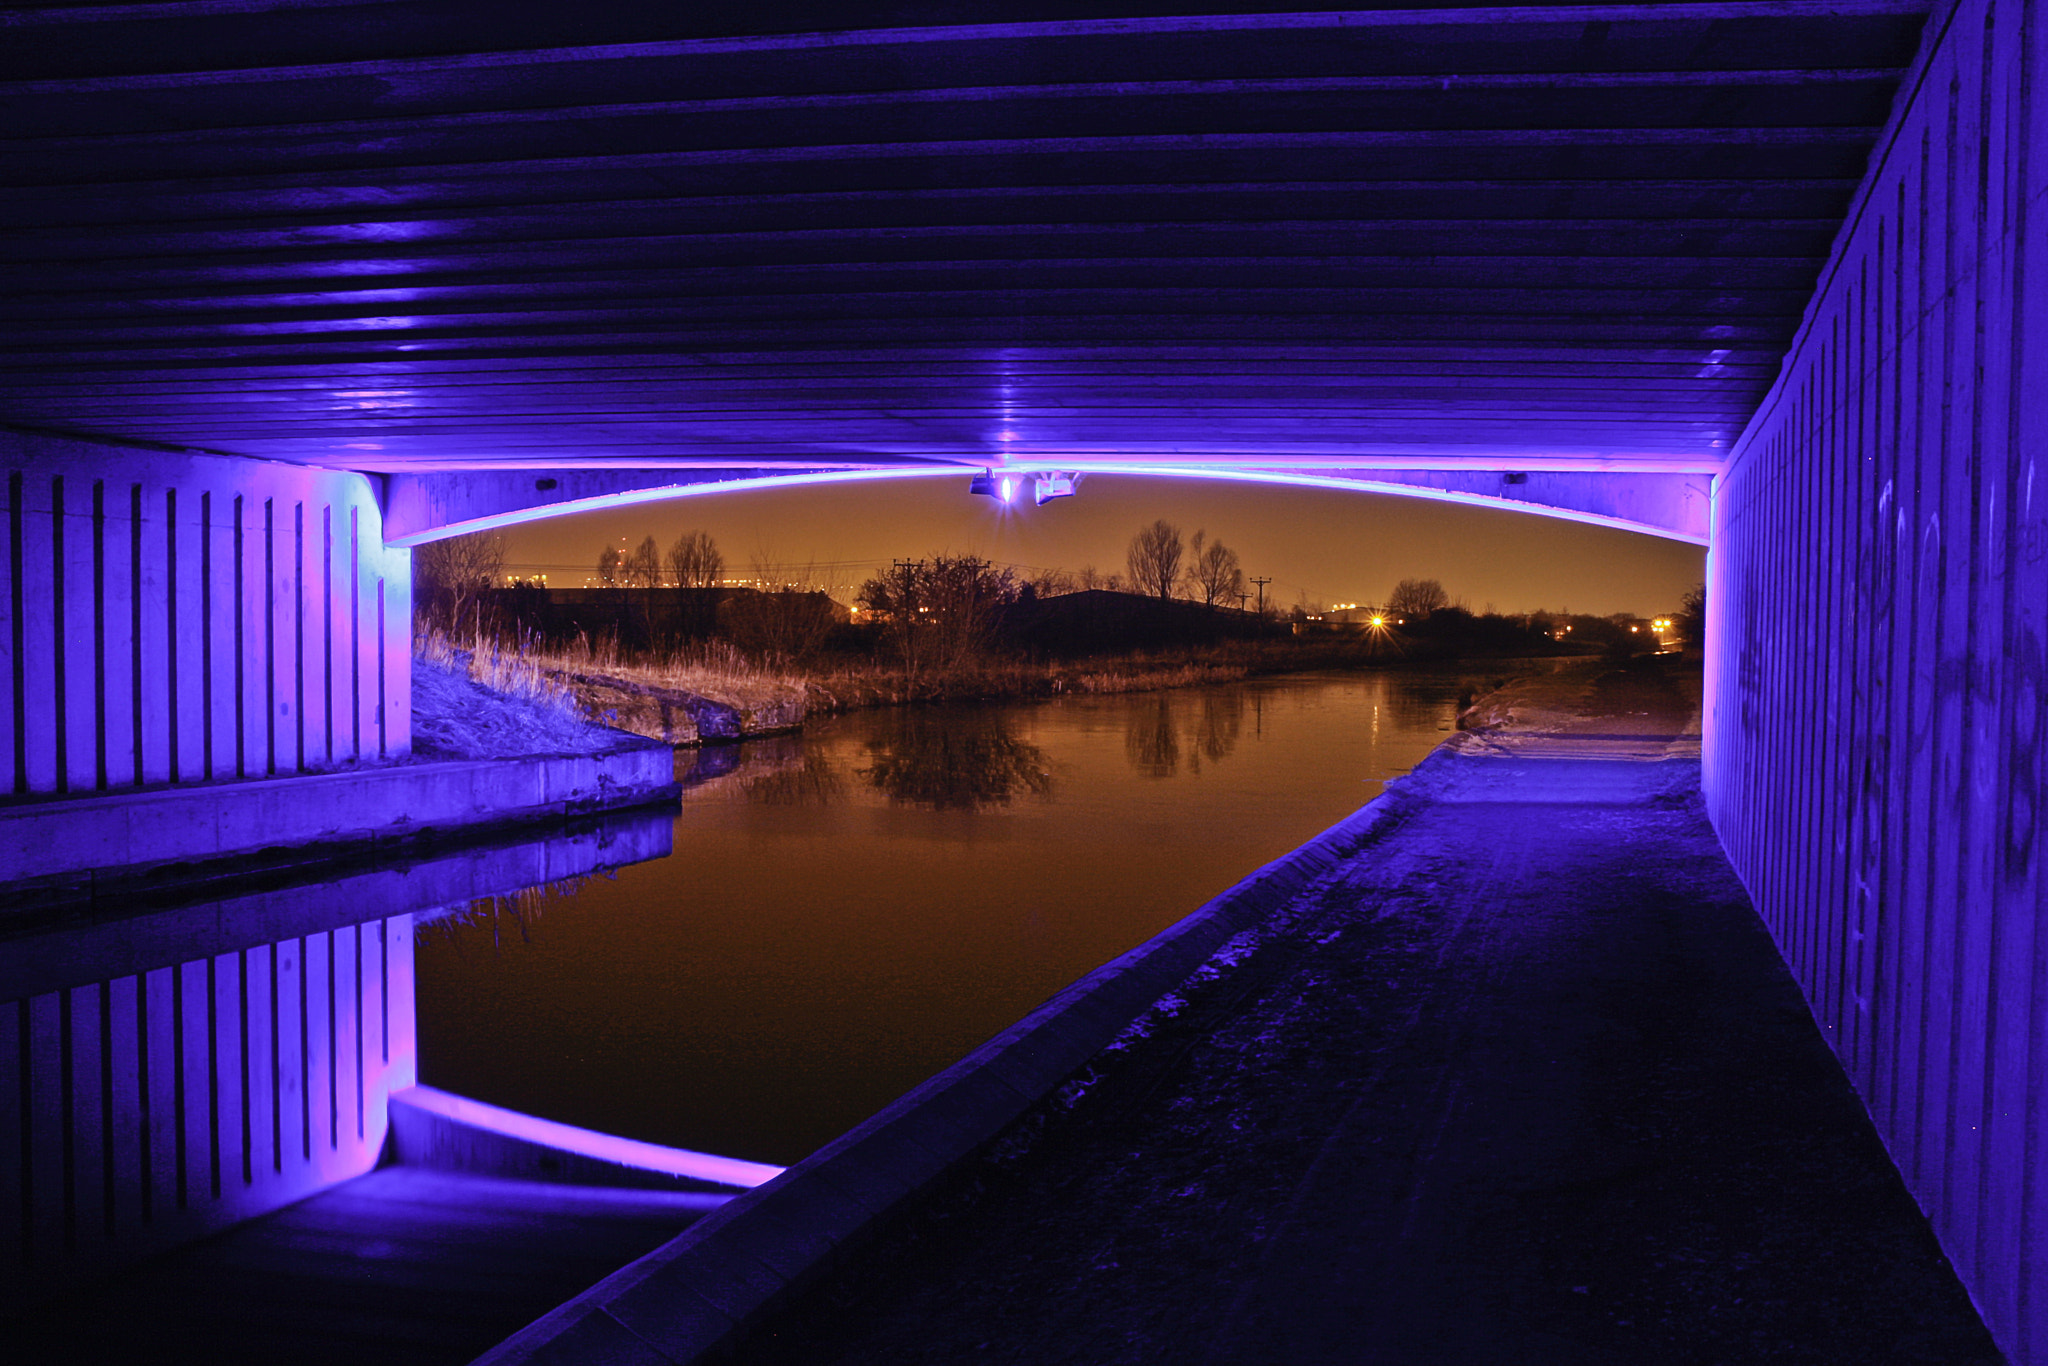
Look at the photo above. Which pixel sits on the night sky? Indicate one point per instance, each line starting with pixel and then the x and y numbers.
pixel 1325 546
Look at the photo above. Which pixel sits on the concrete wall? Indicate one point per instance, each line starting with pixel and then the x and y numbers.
pixel 1878 585
pixel 150 1109
pixel 176 618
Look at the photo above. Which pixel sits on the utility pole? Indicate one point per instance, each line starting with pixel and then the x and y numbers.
pixel 1262 594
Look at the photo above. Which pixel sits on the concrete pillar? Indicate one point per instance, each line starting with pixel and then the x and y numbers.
pixel 1879 643
pixel 174 618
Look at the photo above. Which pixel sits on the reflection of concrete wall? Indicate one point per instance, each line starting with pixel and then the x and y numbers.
pixel 172 617
pixel 1878 655
pixel 167 1069
pixel 156 1107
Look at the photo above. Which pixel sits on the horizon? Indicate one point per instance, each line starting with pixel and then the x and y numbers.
pixel 1316 547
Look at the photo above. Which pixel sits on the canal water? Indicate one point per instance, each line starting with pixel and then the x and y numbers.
pixel 849 911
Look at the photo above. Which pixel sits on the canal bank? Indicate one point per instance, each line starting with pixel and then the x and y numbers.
pixel 1509 1073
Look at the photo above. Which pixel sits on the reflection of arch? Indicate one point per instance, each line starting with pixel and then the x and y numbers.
pixel 1639 496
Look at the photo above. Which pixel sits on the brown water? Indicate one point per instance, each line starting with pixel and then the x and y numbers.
pixel 849 912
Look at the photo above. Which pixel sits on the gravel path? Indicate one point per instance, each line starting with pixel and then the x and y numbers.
pixel 1525 1082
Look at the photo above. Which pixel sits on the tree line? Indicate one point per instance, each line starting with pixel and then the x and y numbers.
pixel 941 612
pixel 691 561
pixel 1212 573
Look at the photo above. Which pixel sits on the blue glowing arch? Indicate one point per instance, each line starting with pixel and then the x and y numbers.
pixel 1673 505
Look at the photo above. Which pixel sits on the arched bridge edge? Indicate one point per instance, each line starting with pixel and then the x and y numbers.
pixel 431 506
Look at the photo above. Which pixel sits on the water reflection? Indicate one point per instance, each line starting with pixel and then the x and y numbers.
pixel 848 911
pixel 805 780
pixel 504 913
pixel 1163 729
pixel 1151 741
pixel 240 1049
pixel 958 761
pixel 1220 724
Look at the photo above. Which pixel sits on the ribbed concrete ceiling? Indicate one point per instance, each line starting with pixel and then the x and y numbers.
pixel 419 235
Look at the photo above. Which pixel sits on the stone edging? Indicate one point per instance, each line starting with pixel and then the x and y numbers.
pixel 311 816
pixel 697 1293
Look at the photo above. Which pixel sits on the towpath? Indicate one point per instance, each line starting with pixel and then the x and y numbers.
pixel 1525 1081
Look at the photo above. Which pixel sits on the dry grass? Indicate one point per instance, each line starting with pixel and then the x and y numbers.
pixel 511 672
pixel 714 669
pixel 718 670
pixel 849 689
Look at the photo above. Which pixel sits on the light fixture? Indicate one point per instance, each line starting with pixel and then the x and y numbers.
pixel 1005 487
pixel 1050 486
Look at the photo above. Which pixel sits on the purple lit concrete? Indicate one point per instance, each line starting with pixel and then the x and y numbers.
pixel 1563 243
pixel 590 237
pixel 450 1132
pixel 318 815
pixel 1879 648
pixel 72 934
pixel 227 1056
pixel 200 1094
pixel 400 1266
pixel 175 618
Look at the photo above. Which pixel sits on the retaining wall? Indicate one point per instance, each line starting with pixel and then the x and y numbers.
pixel 1876 655
pixel 174 617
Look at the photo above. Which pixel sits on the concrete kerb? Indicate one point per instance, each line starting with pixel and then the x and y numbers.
pixel 778 1236
pixel 88 839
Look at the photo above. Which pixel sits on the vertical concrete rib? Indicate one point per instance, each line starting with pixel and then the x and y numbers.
pixel 1891 845
pixel 172 618
pixel 14 722
pixel 138 612
pixel 99 634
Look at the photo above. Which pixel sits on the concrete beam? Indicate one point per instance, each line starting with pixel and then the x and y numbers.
pixel 428 506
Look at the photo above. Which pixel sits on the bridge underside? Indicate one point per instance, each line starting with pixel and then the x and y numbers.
pixel 394 238
pixel 290 289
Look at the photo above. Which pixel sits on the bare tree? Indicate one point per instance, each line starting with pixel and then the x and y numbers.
pixel 1052 583
pixel 1154 559
pixel 1417 598
pixel 1215 573
pixel 610 566
pixel 450 575
pixel 694 561
pixel 940 613
pixel 642 566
